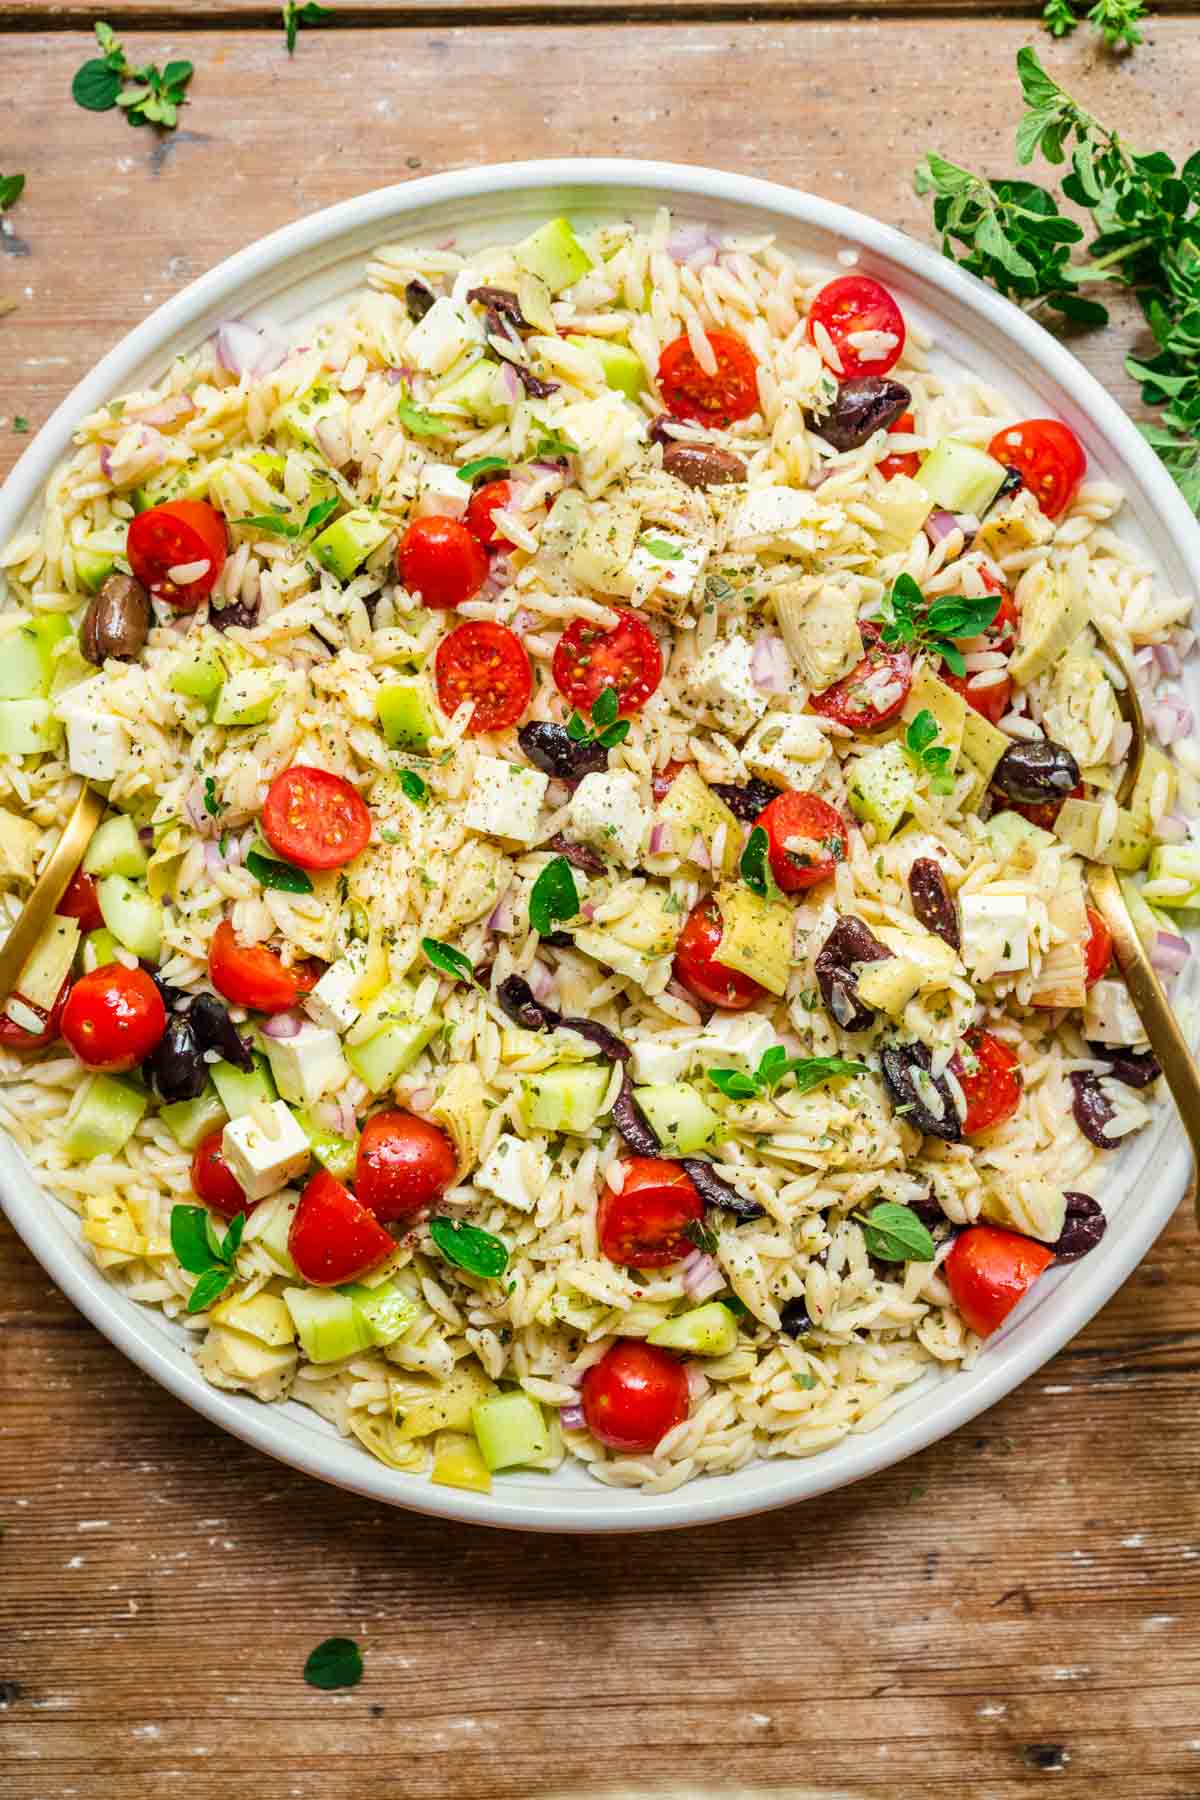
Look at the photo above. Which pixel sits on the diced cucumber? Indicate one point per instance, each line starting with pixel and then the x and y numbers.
pixel 458 1462
pixel 387 1309
pixel 510 1430
pixel 263 1316
pixel 49 962
pixel 1008 829
pixel 189 483
pixel 554 254
pixel 328 1323
pixel 344 546
pixel 961 478
pixel 479 392
pixel 1079 824
pixel 28 728
pixel 684 1122
pixel 27 657
pixel 1176 862
pixel 1140 912
pixel 623 367
pixel 757 937
pixel 98 950
pixel 190 1120
pixel 407 713
pixel 564 1099
pixel 533 298
pixel 134 919
pixel 248 697
pixel 116 849
pixel 383 1058
pixel 240 1089
pixel 883 784
pixel 337 1154
pixel 709 1330
pixel 102 1117
pixel 96 557
pixel 201 677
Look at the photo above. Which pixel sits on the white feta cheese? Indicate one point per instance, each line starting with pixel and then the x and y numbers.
pixel 442 336
pixel 505 800
pixel 995 934
pixel 97 747
pixel 263 1160
pixel 606 811
pixel 674 572
pixel 331 1002
pixel 1110 1016
pixel 788 747
pixel 442 492
pixel 722 680
pixel 738 1037
pixel 768 514
pixel 515 1172
pixel 308 1065
pixel 655 1062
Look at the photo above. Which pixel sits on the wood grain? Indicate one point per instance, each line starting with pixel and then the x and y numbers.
pixel 352 14
pixel 1014 1608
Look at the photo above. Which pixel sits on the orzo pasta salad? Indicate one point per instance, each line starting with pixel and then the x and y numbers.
pixel 588 952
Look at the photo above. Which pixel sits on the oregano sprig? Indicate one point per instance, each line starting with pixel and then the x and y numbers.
pixel 774 1067
pixel 606 729
pixel 910 621
pixel 201 1249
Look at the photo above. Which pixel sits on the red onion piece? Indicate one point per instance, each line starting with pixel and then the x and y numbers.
pixel 420 1098
pixel 501 916
pixel 511 382
pixel 939 525
pixel 541 981
pixel 770 664
pixel 571 1417
pixel 1170 953
pixel 282 1026
pixel 248 349
pixel 1167 659
pixel 687 241
pixel 213 860
pixel 698 1276
pixel 698 1383
pixel 660 839
pixel 176 406
pixel 347 1123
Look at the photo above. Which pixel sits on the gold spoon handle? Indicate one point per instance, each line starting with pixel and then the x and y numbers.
pixel 50 887
pixel 1153 1008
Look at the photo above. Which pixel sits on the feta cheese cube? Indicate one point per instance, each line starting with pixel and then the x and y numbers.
pixel 768 514
pixel 787 747
pixel 442 336
pixel 97 747
pixel 263 1160
pixel 737 1037
pixel 674 572
pixel 995 934
pixel 655 1062
pixel 331 1002
pixel 606 811
pixel 442 492
pixel 722 680
pixel 1110 1016
pixel 308 1065
pixel 505 800
pixel 515 1172
pixel 18 846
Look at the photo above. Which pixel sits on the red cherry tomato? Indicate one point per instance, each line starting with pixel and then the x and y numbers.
pixel 333 1238
pixel 440 562
pixel 170 537
pixel 900 462
pixel 315 819
pixel 113 1017
pixel 1048 457
pixel 851 304
pixel 643 1227
pixel 696 965
pixel 1043 812
pixel 215 1182
pixel 634 1395
pixel 1098 950
pixel 82 902
pixel 989 1074
pixel 486 663
pixel 15 1037
pixel 1001 634
pixel 491 498
pixel 988 1271
pixel 588 659
pixel 988 698
pixel 807 839
pixel 249 974
pixel 660 781
pixel 873 694
pixel 690 392
pixel 404 1164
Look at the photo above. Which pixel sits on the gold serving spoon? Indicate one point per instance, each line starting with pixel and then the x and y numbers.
pixel 50 887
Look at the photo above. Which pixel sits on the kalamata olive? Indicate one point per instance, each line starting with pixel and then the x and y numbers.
pixel 1092 1109
pixel 860 408
pixel 534 386
pixel 794 1319
pixel 418 298
pixel 500 303
pixel 557 940
pixel 1085 1225
pixel 215 1030
pixel 746 800
pixel 553 750
pixel 925 1098
pixel 1133 1068
pixel 242 613
pixel 1012 481
pixel 515 997
pixel 169 995
pixel 177 1066
pixel 117 621
pixel 659 430
pixel 932 900
pixel 633 1124
pixel 848 943
pixel 929 1211
pixel 607 1042
pixel 1032 773
pixel 715 1192
pixel 580 856
pixel 703 465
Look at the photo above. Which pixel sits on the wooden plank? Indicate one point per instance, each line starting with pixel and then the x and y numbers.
pixel 352 14
pixel 1016 1605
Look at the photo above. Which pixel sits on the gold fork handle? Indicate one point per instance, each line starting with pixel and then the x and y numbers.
pixel 50 887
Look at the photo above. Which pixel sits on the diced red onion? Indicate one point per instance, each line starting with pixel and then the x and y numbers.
pixel 420 1097
pixel 939 525
pixel 1170 953
pixel 660 839
pixel 332 442
pixel 687 240
pixel 1167 659
pixel 1173 829
pixel 699 853
pixel 511 382
pixel 698 1383
pixel 283 1026
pixel 770 664
pixel 193 806
pixel 571 1417
pixel 540 980
pixel 347 1123
pixel 1171 720
pixel 106 462
pixel 247 350
pixel 698 1273
pixel 587 910
pixel 1184 640
pixel 213 860
pixel 501 916
pixel 176 406
pixel 146 834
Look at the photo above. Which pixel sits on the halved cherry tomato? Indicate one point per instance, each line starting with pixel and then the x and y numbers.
pixel 588 659
pixel 660 781
pixel 333 1238
pixel 690 392
pixel 851 304
pixel 806 837
pixel 249 974
pixel 492 497
pixel 873 694
pixel 900 462
pixel 1001 634
pixel 1098 950
pixel 113 1017
pixel 698 969
pixel 988 1271
pixel 440 562
pixel 215 1182
pixel 634 1395
pixel 643 1227
pixel 988 698
pixel 15 1037
pixel 1043 812
pixel 1048 457
pixel 82 902
pixel 170 537
pixel 486 663
pixel 989 1074
pixel 314 818
pixel 404 1164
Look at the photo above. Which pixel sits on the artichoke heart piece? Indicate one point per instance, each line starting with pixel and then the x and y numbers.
pixel 757 937
pixel 1054 610
pixel 819 623
pixel 694 811
pixel 1034 1207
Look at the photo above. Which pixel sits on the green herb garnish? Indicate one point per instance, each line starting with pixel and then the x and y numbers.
pixel 660 547
pixel 420 422
pixel 702 1235
pixel 469 1248
pixel 337 1663
pixel 153 96
pixel 278 524
pixel 282 875
pixel 606 728
pixel 480 466
pixel 755 866
pixel 447 960
pixel 20 425
pixel 894 1233
pixel 775 1066
pixel 552 446
pixel 1117 20
pixel 202 1251
pixel 413 787
pixel 212 805
pixel 294 15
pixel 908 620
pixel 11 187
pixel 928 755
pixel 553 896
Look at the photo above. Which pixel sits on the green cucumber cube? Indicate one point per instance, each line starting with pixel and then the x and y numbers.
pixel 344 546
pixel 99 948
pixel 248 698
pixel 382 1059
pixel 337 1154
pixel 683 1120
pixel 1176 862
pixel 387 1309
pixel 201 678
pixel 189 1121
pixel 509 1429
pixel 103 1117
pixel 27 657
pixel 28 728
pixel 709 1330
pixel 328 1323
pixel 479 392
pixel 240 1089
pixel 961 478
pixel 408 716
pixel 553 253
pixel 134 919
pixel 623 367
pixel 566 1098
pixel 116 849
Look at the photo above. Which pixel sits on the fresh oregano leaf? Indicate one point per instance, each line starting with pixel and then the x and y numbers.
pixel 282 875
pixel 469 1248
pixel 447 960
pixel 189 1238
pixel 337 1663
pixel 894 1233
pixel 554 896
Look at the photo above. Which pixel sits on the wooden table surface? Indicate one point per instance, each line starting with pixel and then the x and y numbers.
pixel 1014 1609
